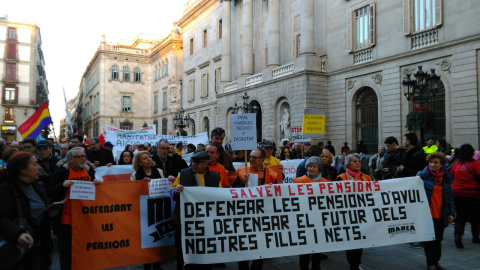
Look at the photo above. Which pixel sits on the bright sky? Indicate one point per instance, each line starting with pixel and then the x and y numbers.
pixel 71 32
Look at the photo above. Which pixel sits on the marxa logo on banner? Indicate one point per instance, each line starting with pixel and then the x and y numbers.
pixel 160 215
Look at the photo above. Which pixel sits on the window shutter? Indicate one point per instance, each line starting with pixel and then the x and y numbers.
pixel 349 31
pixel 294 47
pixel 407 17
pixel 206 94
pixel 438 13
pixel 193 89
pixel 372 6
pixel 16 94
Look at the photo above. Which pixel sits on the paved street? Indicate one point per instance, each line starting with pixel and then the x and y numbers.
pixel 398 257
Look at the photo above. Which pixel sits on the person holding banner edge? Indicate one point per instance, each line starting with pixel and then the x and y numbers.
pixel 76 168
pixel 438 187
pixel 145 170
pixel 353 172
pixel 266 176
pixel 197 175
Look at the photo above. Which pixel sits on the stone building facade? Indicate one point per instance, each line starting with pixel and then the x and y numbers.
pixel 24 85
pixel 130 85
pixel 346 57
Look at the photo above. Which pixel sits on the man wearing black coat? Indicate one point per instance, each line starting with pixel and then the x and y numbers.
pixel 99 155
pixel 415 160
pixel 171 165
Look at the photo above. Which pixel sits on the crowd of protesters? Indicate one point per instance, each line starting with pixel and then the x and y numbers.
pixel 35 174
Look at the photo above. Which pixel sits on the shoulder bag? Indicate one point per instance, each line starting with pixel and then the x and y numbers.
pixel 11 254
pixel 475 176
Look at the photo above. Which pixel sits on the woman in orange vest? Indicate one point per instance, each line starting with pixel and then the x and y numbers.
pixel 314 174
pixel 353 173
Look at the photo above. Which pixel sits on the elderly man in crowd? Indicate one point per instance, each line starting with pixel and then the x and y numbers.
pixel 197 175
pixel 170 165
pixel 57 189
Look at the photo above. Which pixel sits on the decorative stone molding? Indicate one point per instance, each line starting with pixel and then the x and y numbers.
pixel 377 78
pixel 190 71
pixel 350 84
pixel 445 65
pixel 204 64
pixel 217 58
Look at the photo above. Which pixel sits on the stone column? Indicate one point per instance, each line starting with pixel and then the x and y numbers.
pixel 307 23
pixel 247 40
pixel 226 42
pixel 273 33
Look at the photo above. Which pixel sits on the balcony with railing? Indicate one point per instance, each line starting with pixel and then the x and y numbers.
pixel 363 56
pixel 424 39
pixel 282 71
pixel 254 79
pixel 230 86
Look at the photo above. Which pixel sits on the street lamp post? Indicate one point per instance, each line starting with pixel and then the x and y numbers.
pixel 181 121
pixel 421 91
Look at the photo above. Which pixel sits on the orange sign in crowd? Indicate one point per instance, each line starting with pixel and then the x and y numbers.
pixel 121 227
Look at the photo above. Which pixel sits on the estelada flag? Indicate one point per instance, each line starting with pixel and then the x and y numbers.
pixel 34 125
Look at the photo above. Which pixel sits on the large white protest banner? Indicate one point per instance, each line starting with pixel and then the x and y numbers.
pixel 124 139
pixel 224 225
pixel 111 136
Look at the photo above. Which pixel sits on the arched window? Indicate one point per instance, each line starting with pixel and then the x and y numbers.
pixel 137 73
pixel 115 73
pixel 126 74
pixel 437 106
pixel 367 119
pixel 126 125
pixel 206 125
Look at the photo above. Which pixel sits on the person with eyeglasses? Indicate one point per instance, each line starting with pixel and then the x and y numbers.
pixel 266 176
pixel 76 168
pixel 217 135
pixel 99 156
pixel 170 165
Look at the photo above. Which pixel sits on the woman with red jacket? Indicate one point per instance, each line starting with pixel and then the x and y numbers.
pixel 466 193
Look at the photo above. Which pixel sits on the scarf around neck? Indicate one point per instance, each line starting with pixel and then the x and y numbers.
pixel 437 175
pixel 356 175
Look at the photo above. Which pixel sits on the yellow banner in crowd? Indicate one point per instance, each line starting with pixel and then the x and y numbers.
pixel 121 227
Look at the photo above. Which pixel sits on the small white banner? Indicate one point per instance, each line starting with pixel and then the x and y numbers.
pixel 226 225
pixel 159 187
pixel 243 131
pixel 82 190
pixel 297 135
